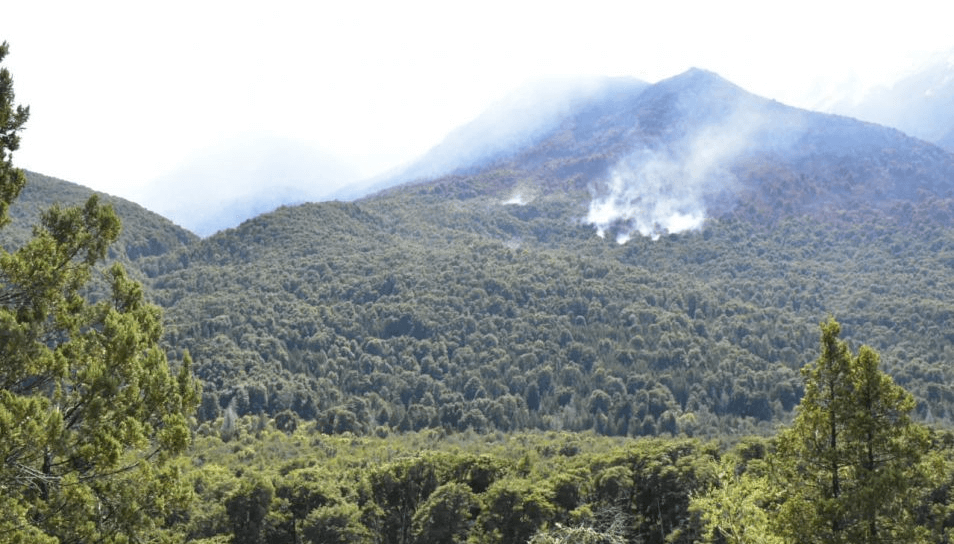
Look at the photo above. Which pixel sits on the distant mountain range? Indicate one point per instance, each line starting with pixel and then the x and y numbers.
pixel 546 127
pixel 245 178
pixel 920 104
pixel 665 155
pixel 650 259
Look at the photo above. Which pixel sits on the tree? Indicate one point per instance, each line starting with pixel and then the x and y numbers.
pixel 398 489
pixel 12 119
pixel 90 412
pixel 304 490
pixel 446 516
pixel 247 509
pixel 849 463
pixel 336 524
pixel 513 510
pixel 734 509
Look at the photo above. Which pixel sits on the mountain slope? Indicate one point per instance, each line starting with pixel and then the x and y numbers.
pixel 462 321
pixel 459 303
pixel 696 145
pixel 517 122
pixel 144 234
pixel 921 104
pixel 488 300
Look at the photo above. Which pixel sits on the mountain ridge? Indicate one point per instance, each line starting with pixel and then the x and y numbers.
pixel 144 234
pixel 920 104
pixel 715 140
pixel 495 300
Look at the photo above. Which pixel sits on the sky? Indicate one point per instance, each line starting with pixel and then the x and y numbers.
pixel 124 95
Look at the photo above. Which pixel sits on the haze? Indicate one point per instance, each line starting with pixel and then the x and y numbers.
pixel 139 100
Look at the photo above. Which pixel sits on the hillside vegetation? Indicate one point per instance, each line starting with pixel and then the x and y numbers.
pixel 488 301
pixel 144 234
pixel 419 313
pixel 571 341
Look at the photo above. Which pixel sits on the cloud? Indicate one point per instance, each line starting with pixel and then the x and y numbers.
pixel 665 190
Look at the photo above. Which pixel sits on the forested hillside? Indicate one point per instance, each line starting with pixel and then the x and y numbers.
pixel 471 357
pixel 492 300
pixel 350 315
pixel 489 301
pixel 145 234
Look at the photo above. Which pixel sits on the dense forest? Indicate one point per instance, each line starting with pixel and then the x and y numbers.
pixel 486 300
pixel 696 333
pixel 414 311
pixel 474 358
pixel 258 479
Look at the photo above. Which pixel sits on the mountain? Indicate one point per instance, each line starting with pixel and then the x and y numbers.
pixel 696 144
pixel 144 235
pixel 242 179
pixel 518 121
pixel 487 299
pixel 947 141
pixel 654 261
pixel 920 104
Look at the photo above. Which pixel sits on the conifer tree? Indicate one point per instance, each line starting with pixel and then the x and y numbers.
pixel 90 411
pixel 848 466
pixel 12 119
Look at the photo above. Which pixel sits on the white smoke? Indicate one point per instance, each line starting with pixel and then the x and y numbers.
pixel 516 200
pixel 657 191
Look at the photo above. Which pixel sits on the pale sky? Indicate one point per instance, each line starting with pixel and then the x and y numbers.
pixel 122 93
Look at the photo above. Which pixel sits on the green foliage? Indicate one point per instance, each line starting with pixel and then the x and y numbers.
pixel 398 489
pixel 737 509
pixel 427 487
pixel 446 516
pixel 336 524
pixel 247 509
pixel 542 487
pixel 851 459
pixel 12 119
pixel 853 467
pixel 90 413
pixel 513 510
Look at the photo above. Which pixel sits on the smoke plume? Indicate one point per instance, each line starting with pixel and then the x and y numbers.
pixel 665 190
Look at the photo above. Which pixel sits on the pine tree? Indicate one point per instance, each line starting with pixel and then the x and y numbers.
pixel 848 466
pixel 90 411
pixel 12 119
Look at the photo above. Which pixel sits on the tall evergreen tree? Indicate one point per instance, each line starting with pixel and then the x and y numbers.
pixel 12 119
pixel 848 466
pixel 89 409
